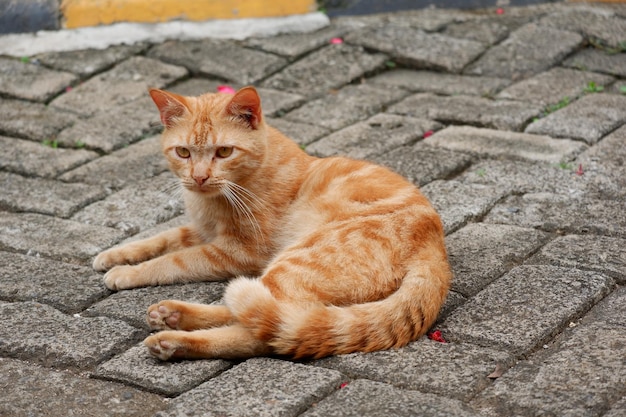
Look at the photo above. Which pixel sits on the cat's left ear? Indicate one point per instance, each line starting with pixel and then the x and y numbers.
pixel 246 106
pixel 171 106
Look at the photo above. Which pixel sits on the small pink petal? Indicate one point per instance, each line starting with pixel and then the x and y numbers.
pixel 68 89
pixel 580 170
pixel 226 89
pixel 428 133
pixel 499 10
pixel 336 41
pixel 343 385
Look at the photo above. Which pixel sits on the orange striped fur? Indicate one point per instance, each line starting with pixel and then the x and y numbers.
pixel 330 255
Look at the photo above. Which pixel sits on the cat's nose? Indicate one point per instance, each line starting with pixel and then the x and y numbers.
pixel 200 180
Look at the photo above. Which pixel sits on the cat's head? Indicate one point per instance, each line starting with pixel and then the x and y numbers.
pixel 212 139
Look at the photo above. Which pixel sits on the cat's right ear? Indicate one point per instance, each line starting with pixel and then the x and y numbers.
pixel 171 106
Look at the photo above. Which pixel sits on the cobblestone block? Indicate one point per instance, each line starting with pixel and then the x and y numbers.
pixel 125 82
pixel 45 196
pixel 131 306
pixel 425 19
pixel 46 335
pixel 137 367
pixel 28 81
pixel 422 164
pixel 480 253
pixel 259 386
pixel 301 133
pixel 485 31
pixel 115 128
pixel 37 160
pixel 525 53
pixel 459 203
pixel 441 83
pixel 595 24
pixel 349 105
pixel 461 369
pixel 31 390
pixel 582 374
pixel 136 207
pixel 87 62
pixel 591 59
pixel 553 86
pixel 53 237
pixel 125 167
pixel 595 253
pixel 373 137
pixel 375 399
pixel 553 212
pixel 498 114
pixel 219 58
pixel 69 288
pixel 617 409
pixel 587 119
pixel 295 45
pixel 419 49
pixel 512 145
pixel 540 300
pixel 325 69
pixel 452 301
pixel 32 121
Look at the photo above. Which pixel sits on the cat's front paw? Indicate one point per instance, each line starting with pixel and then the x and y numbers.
pixel 108 259
pixel 162 345
pixel 123 277
pixel 163 316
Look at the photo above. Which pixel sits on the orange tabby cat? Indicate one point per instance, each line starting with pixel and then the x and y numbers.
pixel 349 256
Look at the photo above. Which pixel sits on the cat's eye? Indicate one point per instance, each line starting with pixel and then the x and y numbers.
pixel 224 152
pixel 182 152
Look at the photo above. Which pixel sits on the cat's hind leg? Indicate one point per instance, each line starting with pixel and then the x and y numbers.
pixel 181 315
pixel 228 342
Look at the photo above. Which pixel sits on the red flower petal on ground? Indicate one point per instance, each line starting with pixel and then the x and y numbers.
pixel 499 10
pixel 580 171
pixel 343 385
pixel 436 336
pixel 336 41
pixel 227 89
pixel 428 133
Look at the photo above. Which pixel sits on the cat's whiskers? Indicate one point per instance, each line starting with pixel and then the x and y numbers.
pixel 173 189
pixel 240 200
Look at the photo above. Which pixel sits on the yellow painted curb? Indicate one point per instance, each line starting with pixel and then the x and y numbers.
pixel 80 13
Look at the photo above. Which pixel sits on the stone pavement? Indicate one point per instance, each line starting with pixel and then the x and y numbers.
pixel 513 124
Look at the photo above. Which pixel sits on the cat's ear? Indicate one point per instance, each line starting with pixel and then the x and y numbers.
pixel 246 106
pixel 171 106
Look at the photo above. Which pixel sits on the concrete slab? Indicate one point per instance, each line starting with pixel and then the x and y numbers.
pixel 33 121
pixel 470 110
pixel 301 133
pixel 485 31
pixel 29 81
pixel 293 46
pixel 51 338
pixel 596 60
pixel 596 24
pixel 540 300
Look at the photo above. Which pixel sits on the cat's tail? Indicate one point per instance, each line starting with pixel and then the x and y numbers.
pixel 318 330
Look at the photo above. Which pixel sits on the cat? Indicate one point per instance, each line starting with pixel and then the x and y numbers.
pixel 327 255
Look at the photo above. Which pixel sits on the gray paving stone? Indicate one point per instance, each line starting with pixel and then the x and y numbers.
pixel 53 237
pixel 32 121
pixel 115 127
pixel 617 409
pixel 427 19
pixel 127 166
pixel 422 164
pixel 325 69
pixel 219 58
pixel 373 137
pixel 459 203
pixel 125 82
pixel 582 374
pixel 511 145
pixel 480 253
pixel 594 253
pixel 525 53
pixel 554 85
pixel 560 213
pixel 461 109
pixel 131 306
pixel 256 387
pixel 87 62
pixel 137 367
pixel 587 119
pixel 301 133
pixel 136 207
pixel 595 24
pixel 455 370
pixel 591 59
pixel 539 300
pixel 66 287
pixel 37 160
pixel 40 333
pixel 31 390
pixel 485 31
pixel 295 45
pixel 419 49
pixel 452 301
pixel 351 104
pixel 441 83
pixel 375 399
pixel 45 196
pixel 32 82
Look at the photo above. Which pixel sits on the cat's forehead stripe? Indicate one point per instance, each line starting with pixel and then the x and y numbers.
pixel 202 131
